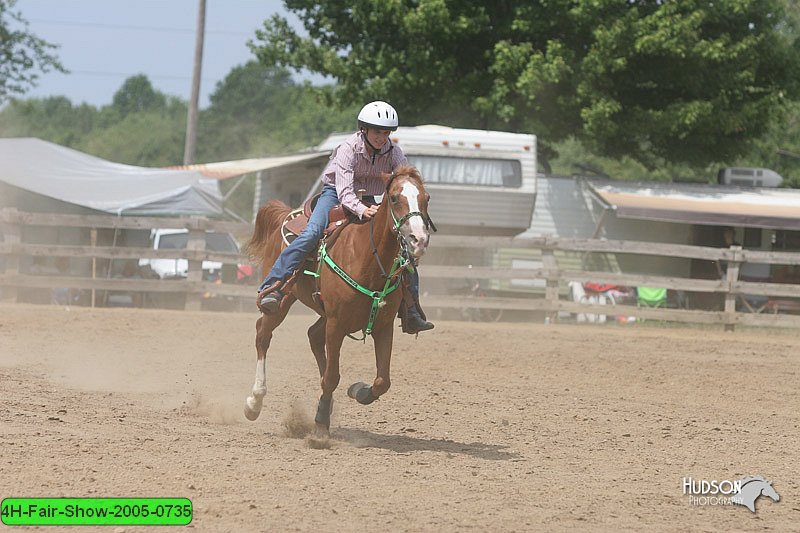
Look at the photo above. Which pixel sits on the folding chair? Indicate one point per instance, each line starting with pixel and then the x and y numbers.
pixel 651 297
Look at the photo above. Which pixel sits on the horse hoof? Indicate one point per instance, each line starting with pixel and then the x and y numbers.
pixel 250 413
pixel 362 393
pixel 322 431
pixel 352 390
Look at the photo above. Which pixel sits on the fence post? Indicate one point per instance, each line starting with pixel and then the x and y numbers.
pixel 93 240
pixel 12 235
pixel 732 276
pixel 551 287
pixel 196 241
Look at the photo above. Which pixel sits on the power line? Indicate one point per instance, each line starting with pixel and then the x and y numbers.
pixel 135 28
pixel 129 74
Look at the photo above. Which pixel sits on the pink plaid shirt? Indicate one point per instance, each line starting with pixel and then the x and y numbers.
pixel 351 168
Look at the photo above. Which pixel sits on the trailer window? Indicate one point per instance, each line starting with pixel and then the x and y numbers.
pixel 468 171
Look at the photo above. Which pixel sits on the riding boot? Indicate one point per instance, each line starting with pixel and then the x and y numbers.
pixel 412 322
pixel 412 317
pixel 269 299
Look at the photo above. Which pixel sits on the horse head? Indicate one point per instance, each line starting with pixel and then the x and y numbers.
pixel 407 201
pixel 752 488
pixel 769 491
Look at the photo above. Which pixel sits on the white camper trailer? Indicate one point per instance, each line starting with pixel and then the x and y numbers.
pixel 481 182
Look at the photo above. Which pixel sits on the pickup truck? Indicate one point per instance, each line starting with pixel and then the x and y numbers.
pixel 176 239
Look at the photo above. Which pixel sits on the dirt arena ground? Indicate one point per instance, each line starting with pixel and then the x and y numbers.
pixel 487 427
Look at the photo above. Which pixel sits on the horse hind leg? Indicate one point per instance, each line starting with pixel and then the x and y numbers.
pixel 265 325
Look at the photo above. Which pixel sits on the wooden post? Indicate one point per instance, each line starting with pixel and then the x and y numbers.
pixel 551 287
pixel 12 234
pixel 732 277
pixel 191 119
pixel 197 241
pixel 93 237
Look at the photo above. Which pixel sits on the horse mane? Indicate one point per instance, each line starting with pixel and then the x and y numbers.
pixel 748 479
pixel 270 216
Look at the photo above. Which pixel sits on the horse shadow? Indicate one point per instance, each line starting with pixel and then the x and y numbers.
pixel 360 438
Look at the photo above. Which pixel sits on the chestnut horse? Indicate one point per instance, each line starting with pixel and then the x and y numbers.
pixel 369 254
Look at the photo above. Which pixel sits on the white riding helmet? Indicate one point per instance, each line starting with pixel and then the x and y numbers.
pixel 378 115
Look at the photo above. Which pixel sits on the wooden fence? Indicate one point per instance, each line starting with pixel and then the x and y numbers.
pixel 193 286
pixel 549 301
pixel 778 296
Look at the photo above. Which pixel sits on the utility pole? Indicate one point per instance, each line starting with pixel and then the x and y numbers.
pixel 191 122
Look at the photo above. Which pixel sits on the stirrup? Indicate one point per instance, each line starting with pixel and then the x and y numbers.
pixel 269 300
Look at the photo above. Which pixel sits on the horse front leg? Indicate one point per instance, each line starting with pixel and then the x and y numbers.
pixel 265 325
pixel 365 394
pixel 316 338
pixel 330 379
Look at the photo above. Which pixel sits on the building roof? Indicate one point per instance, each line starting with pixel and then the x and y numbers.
pixel 701 204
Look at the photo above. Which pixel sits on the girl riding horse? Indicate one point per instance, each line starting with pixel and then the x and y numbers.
pixel 358 161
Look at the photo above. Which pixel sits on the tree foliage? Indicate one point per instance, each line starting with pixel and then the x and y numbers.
pixel 138 95
pixel 22 54
pixel 258 110
pixel 692 81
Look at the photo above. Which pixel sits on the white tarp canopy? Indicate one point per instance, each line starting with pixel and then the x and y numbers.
pixel 74 177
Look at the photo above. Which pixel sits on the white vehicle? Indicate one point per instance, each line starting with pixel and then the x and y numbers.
pixel 177 239
pixel 749 177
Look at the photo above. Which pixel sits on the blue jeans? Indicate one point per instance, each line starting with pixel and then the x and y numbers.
pixel 294 254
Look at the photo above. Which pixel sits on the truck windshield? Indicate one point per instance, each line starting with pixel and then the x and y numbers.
pixel 217 242
pixel 468 171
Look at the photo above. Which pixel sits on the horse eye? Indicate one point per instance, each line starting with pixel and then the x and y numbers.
pixel 428 197
pixel 394 198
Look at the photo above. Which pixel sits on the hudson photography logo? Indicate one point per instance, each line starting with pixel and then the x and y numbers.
pixel 744 491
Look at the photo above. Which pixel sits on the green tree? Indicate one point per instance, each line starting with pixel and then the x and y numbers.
pixel 23 55
pixel 53 119
pixel 258 110
pixel 251 99
pixel 136 95
pixel 149 138
pixel 692 81
pixel 779 147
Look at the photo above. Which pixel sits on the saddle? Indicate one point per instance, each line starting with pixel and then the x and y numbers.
pixel 297 220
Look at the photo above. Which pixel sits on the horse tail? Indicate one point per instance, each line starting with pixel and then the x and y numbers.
pixel 268 222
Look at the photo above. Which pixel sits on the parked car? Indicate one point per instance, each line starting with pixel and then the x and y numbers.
pixel 177 239
pixel 178 267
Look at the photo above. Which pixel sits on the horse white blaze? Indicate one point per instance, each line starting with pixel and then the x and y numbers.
pixel 414 229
